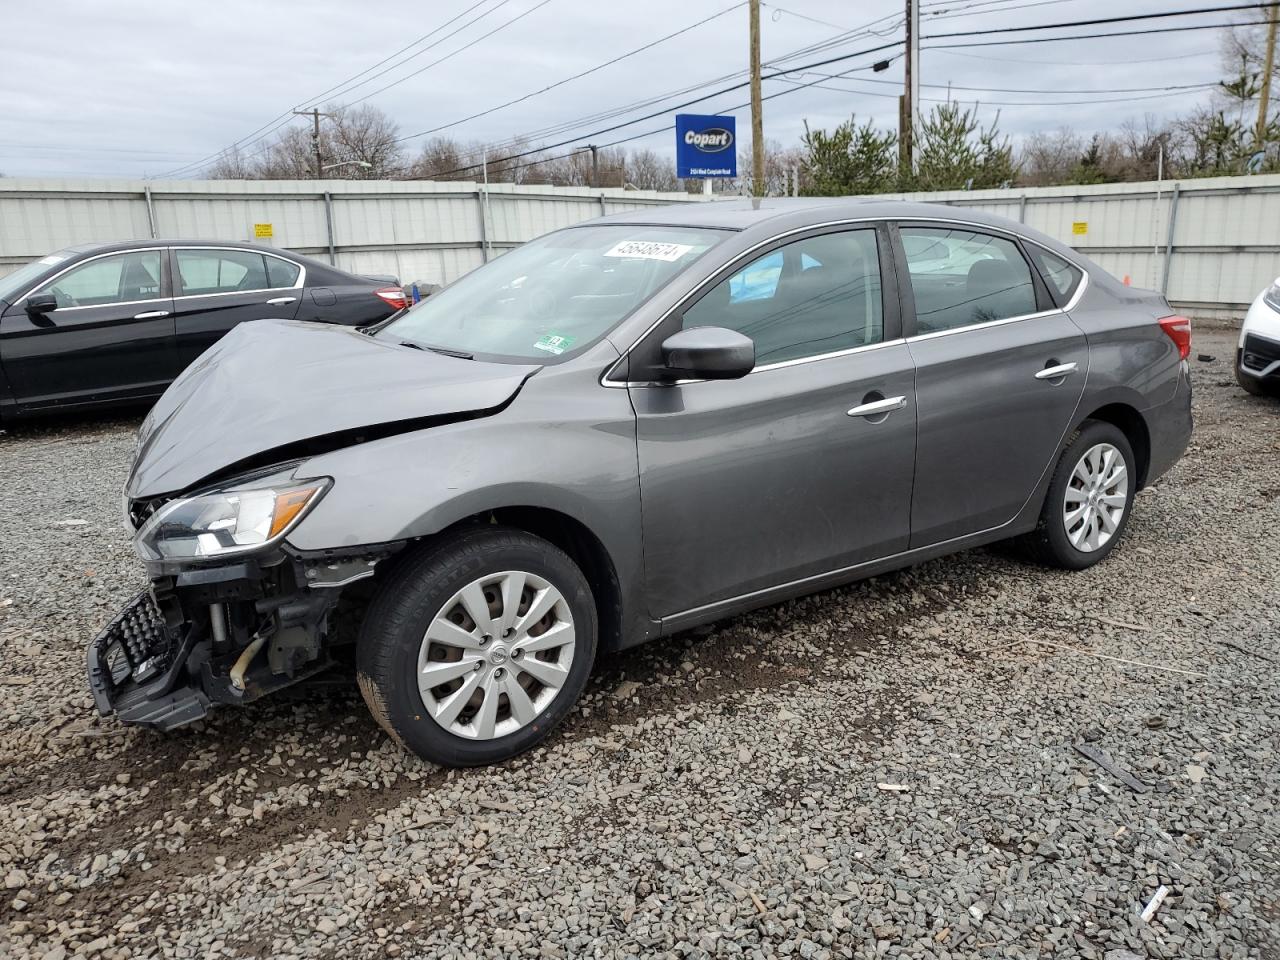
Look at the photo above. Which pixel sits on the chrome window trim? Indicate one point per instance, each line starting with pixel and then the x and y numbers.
pixel 98 256
pixel 297 285
pixel 934 334
pixel 607 380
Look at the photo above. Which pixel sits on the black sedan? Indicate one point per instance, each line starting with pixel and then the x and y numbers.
pixel 111 323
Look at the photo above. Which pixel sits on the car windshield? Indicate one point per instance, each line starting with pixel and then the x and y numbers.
pixel 554 295
pixel 14 285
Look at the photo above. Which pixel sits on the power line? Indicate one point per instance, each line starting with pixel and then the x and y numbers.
pixel 450 56
pixel 688 103
pixel 348 85
pixel 1097 36
pixel 286 117
pixel 1071 63
pixel 1041 90
pixel 576 76
pixel 1102 21
pixel 1021 103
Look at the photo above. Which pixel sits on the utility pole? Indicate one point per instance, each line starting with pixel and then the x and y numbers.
pixel 909 105
pixel 315 115
pixel 757 118
pixel 1264 95
pixel 595 164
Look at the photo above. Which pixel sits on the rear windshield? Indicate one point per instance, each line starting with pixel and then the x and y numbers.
pixel 13 285
pixel 554 295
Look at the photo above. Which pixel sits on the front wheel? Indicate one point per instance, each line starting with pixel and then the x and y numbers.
pixel 1087 506
pixel 475 649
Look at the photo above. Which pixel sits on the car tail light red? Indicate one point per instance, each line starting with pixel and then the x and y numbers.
pixel 1179 331
pixel 394 297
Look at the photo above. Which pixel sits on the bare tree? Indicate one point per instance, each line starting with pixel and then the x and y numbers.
pixel 647 170
pixel 361 134
pixel 1048 158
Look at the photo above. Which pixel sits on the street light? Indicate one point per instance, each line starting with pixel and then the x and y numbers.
pixel 347 163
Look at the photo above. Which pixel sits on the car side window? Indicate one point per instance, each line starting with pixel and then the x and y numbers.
pixel 1063 277
pixel 281 273
pixel 817 295
pixel 221 271
pixel 963 277
pixel 116 279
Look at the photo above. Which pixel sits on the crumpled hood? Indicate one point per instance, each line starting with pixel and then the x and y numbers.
pixel 272 383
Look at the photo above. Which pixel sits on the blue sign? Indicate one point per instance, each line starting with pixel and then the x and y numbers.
pixel 705 147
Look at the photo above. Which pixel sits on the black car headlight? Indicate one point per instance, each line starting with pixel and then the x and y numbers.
pixel 235 519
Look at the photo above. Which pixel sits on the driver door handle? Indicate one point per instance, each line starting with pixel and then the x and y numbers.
pixel 151 315
pixel 1053 373
pixel 878 408
pixel 276 301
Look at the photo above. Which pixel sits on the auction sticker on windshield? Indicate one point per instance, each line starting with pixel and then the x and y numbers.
pixel 650 250
pixel 553 343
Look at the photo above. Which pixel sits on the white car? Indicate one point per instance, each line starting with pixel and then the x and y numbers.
pixel 1258 355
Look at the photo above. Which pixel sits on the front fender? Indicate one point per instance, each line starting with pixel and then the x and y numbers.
pixel 566 444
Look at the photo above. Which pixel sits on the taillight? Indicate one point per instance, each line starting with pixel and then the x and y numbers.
pixel 394 297
pixel 1179 331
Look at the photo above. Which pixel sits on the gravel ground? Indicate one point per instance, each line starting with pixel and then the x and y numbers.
pixel 887 769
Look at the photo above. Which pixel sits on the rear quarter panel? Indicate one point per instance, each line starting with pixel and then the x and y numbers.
pixel 1133 362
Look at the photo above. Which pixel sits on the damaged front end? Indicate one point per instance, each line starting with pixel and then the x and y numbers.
pixel 233 612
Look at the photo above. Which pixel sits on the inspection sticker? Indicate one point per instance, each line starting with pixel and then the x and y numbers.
pixel 649 250
pixel 553 343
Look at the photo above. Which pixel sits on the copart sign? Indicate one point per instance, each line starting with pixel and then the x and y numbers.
pixel 706 146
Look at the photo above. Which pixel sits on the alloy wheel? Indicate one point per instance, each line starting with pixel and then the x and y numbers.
pixel 1096 498
pixel 495 655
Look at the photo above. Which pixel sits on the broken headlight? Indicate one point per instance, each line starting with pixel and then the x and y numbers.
pixel 245 516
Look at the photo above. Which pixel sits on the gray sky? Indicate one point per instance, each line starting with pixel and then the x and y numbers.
pixel 138 87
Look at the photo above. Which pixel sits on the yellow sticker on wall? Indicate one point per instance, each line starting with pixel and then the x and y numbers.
pixel 262 231
pixel 1080 228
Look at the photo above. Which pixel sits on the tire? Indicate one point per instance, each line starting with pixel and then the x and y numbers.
pixel 438 589
pixel 1253 385
pixel 1053 543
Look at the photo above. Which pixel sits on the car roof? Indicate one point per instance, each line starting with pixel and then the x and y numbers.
pixel 777 214
pixel 117 245
pixel 746 213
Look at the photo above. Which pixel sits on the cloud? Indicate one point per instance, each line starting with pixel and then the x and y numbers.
pixel 134 88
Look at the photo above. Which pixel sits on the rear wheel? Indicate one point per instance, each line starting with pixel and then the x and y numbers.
pixel 473 651
pixel 1087 506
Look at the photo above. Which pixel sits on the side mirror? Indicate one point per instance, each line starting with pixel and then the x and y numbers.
pixel 42 303
pixel 709 353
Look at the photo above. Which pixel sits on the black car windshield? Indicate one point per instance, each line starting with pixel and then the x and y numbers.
pixel 13 285
pixel 554 295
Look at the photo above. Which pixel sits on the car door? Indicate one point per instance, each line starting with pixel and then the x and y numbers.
pixel 109 338
pixel 786 473
pixel 999 373
pixel 218 287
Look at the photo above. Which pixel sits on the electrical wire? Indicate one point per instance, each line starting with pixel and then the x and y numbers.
pixel 1096 36
pixel 576 76
pixel 1101 21
pixel 286 117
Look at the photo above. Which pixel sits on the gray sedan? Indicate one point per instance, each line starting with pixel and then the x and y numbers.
pixel 622 430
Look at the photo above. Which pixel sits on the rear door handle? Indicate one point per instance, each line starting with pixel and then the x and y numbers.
pixel 878 408
pixel 276 301
pixel 1053 373
pixel 151 315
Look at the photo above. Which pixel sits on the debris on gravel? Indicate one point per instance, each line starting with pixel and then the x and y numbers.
pixel 888 769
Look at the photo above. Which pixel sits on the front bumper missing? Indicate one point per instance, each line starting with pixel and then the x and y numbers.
pixel 137 668
pixel 170 655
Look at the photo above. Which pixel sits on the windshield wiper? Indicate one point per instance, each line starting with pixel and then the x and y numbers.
pixel 450 353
